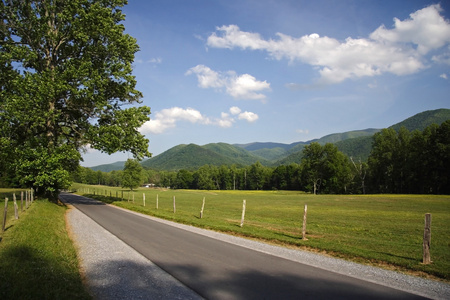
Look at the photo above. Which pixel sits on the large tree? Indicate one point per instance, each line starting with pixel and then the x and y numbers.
pixel 325 168
pixel 65 76
pixel 133 174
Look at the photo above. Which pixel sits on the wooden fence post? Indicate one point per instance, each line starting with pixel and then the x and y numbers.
pixel 243 213
pixel 427 240
pixel 203 207
pixel 157 201
pixel 304 223
pixel 143 198
pixel 21 200
pixel 16 208
pixel 4 214
pixel 174 207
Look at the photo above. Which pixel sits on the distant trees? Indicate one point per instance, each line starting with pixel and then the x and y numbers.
pixel 400 162
pixel 405 162
pixel 325 168
pixel 133 174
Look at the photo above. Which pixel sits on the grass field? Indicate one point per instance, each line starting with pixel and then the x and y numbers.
pixel 37 258
pixel 382 230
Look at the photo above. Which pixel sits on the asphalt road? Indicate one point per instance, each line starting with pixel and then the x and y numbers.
pixel 219 270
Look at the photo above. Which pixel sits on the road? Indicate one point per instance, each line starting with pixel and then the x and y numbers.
pixel 219 270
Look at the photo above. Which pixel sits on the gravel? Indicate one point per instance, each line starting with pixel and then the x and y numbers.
pixel 113 270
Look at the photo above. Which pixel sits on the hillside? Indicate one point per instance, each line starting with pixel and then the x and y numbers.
pixel 191 157
pixel 424 119
pixel 118 165
pixel 357 143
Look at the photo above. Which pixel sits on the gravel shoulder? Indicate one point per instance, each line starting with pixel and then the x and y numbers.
pixel 113 270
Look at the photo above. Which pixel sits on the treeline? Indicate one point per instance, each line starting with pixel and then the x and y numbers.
pixel 400 162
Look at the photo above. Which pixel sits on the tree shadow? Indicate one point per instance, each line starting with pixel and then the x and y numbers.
pixel 26 274
pixel 124 279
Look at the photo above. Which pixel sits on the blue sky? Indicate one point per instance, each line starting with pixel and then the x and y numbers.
pixel 241 71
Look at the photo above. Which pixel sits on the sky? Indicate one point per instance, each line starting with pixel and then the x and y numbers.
pixel 242 71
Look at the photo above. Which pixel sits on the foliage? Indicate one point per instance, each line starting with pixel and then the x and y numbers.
pixel 132 175
pixel 417 162
pixel 65 74
pixel 325 168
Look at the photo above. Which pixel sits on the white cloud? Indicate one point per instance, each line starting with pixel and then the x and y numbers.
pixel 399 50
pixel 444 76
pixel 248 116
pixel 207 78
pixel 156 60
pixel 235 110
pixel 238 86
pixel 169 117
pixel 302 131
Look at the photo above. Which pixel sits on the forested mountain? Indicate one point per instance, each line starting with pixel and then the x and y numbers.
pixel 109 167
pixel 191 157
pixel 357 144
pixel 424 119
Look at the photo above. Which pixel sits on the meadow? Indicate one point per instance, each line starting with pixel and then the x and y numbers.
pixel 381 230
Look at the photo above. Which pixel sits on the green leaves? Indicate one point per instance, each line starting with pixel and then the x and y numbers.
pixel 132 175
pixel 65 76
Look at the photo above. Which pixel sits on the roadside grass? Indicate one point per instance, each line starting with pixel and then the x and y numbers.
pixel 37 258
pixel 381 230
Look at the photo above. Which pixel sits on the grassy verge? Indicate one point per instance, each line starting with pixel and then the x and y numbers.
pixel 382 230
pixel 37 258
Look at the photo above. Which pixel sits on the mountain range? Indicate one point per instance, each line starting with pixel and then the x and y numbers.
pixel 357 143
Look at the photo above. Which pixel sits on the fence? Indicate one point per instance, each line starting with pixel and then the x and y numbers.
pixel 26 195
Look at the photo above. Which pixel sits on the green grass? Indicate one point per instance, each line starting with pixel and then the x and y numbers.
pixel 37 258
pixel 383 230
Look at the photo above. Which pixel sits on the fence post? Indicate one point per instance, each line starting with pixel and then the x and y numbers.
pixel 243 213
pixel 174 206
pixel 304 223
pixel 143 197
pixel 203 207
pixel 4 214
pixel 157 201
pixel 21 200
pixel 16 208
pixel 427 240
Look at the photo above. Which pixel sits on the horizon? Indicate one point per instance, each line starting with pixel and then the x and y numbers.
pixel 288 71
pixel 256 142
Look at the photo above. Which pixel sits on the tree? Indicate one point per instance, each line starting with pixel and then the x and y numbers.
pixel 325 168
pixel 132 174
pixel 65 76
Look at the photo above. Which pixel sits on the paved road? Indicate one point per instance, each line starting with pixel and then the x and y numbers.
pixel 219 270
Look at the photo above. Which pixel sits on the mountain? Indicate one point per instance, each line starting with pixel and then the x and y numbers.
pixel 357 144
pixel 361 147
pixel 424 119
pixel 118 165
pixel 191 157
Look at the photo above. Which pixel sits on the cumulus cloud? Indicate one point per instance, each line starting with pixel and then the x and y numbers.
pixel 238 86
pixel 248 116
pixel 400 50
pixel 169 118
pixel 444 76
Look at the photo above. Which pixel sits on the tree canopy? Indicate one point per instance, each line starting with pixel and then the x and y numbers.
pixel 133 174
pixel 65 76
